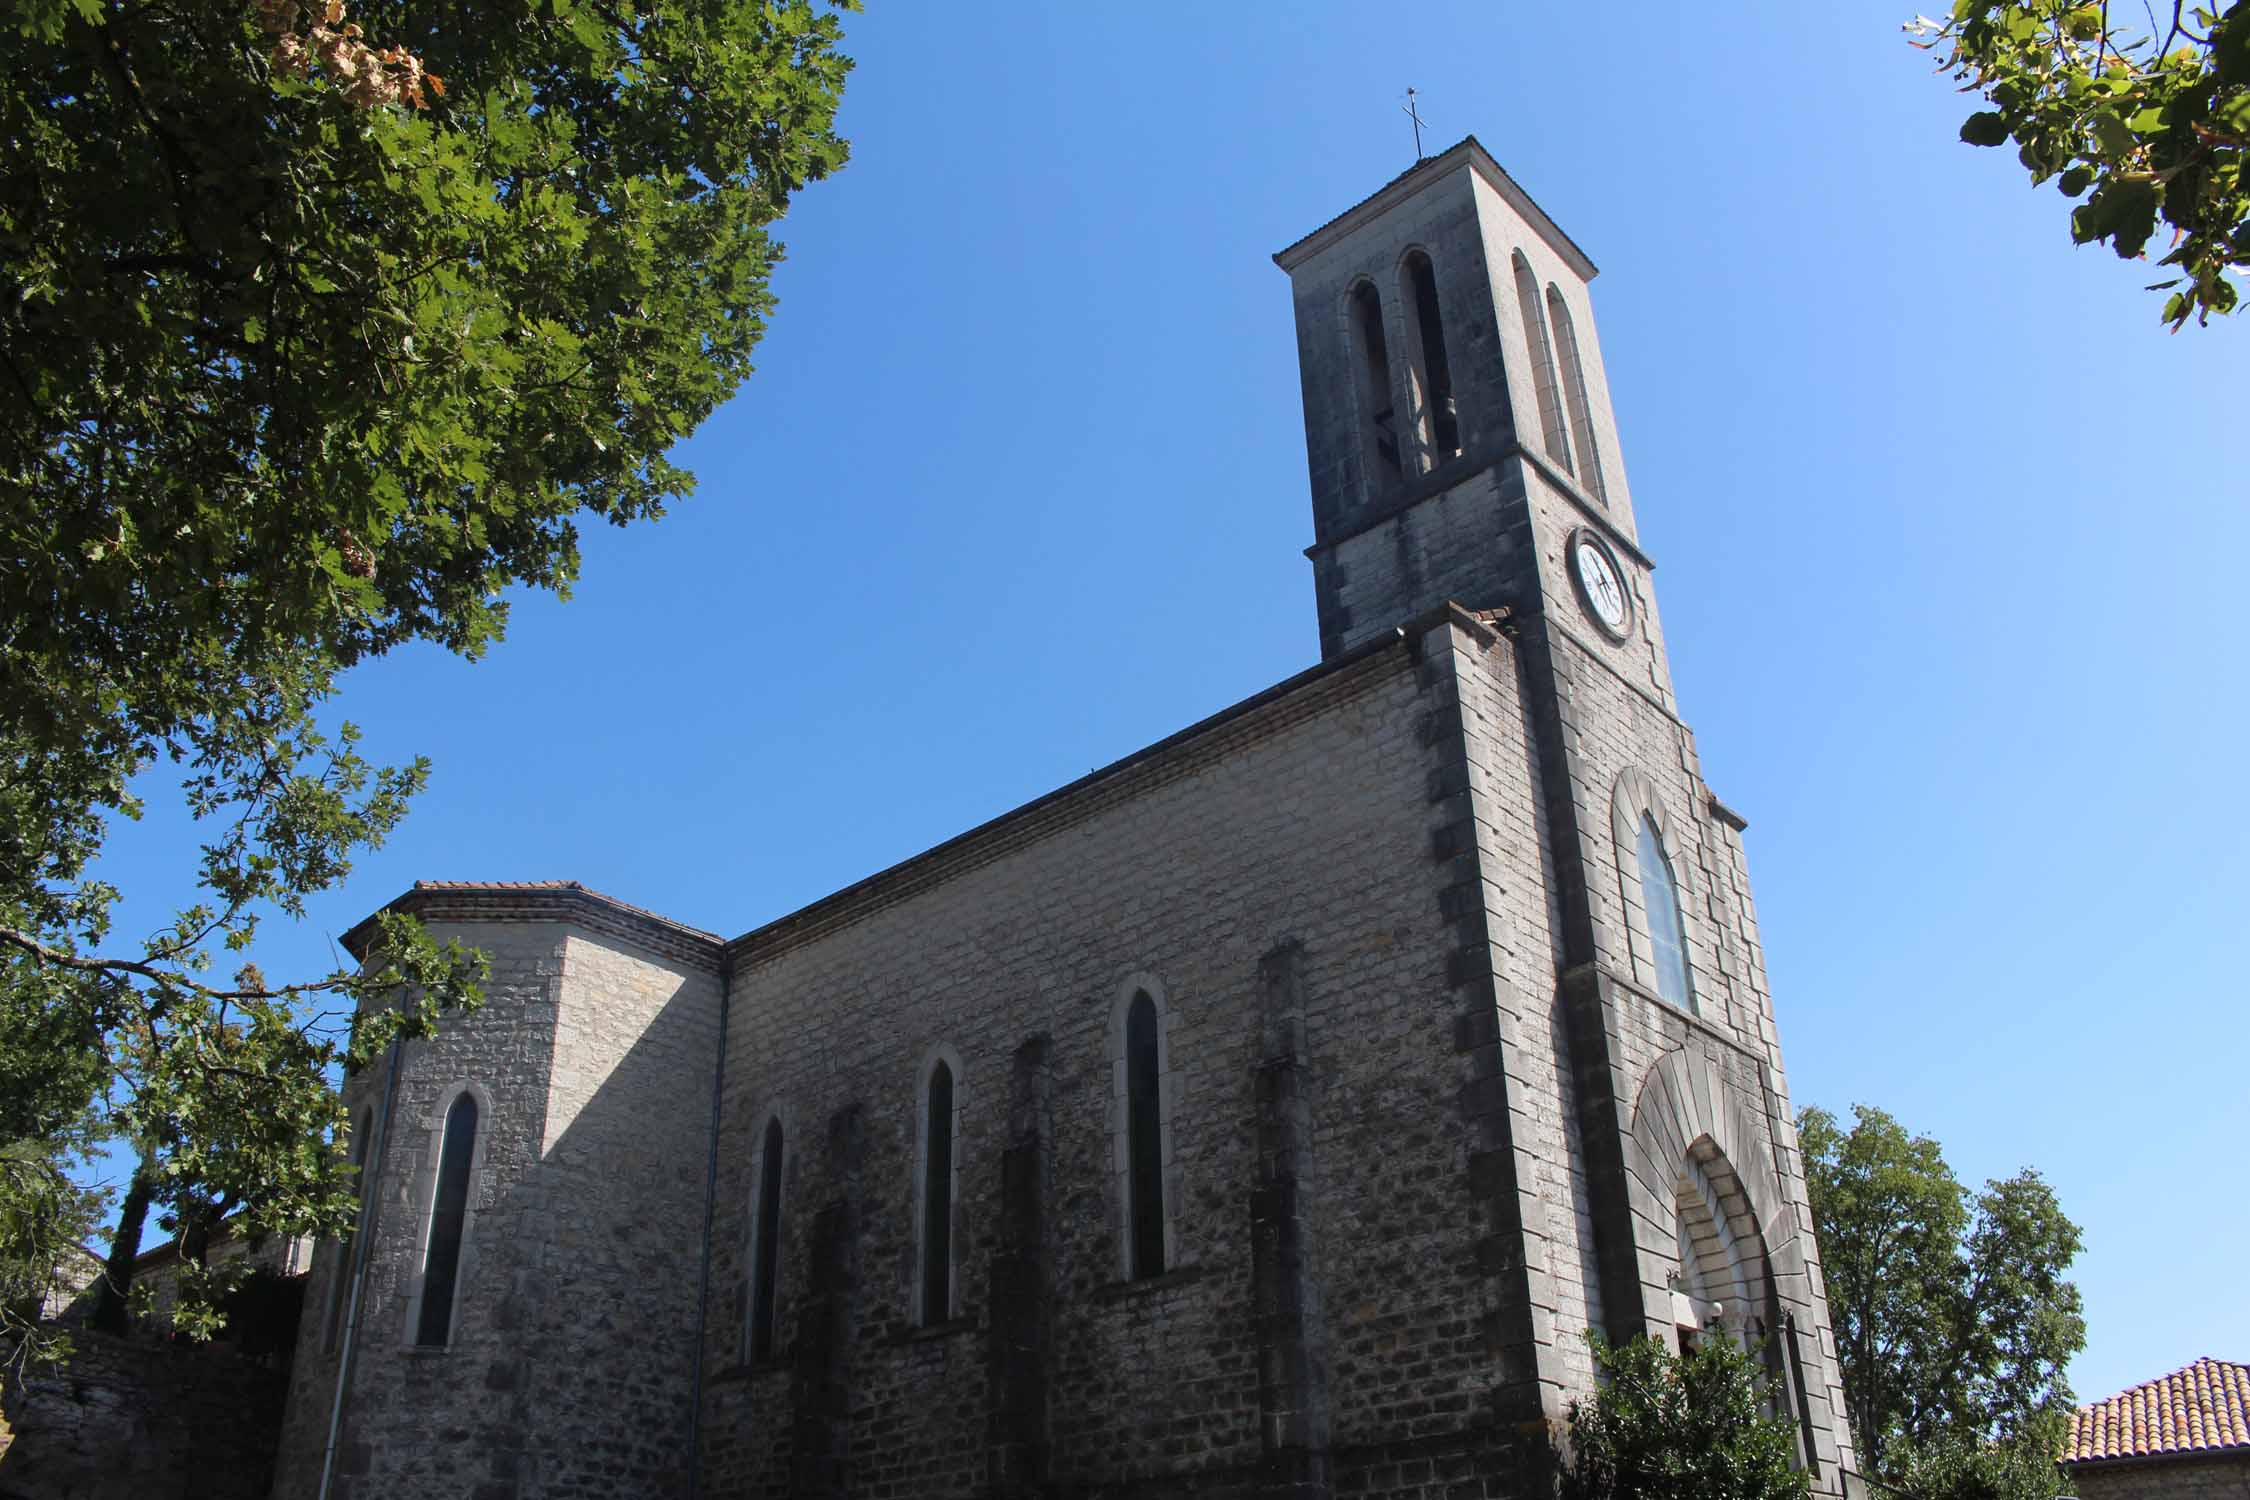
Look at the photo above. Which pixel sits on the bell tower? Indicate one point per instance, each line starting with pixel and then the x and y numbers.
pixel 1457 421
pixel 1462 451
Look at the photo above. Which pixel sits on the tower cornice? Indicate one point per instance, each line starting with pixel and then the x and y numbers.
pixel 1469 152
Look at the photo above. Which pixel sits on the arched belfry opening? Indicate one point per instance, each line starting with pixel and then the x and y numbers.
pixel 1553 435
pixel 1437 419
pixel 1578 405
pixel 1371 366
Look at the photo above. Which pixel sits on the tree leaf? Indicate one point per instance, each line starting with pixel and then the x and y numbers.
pixel 1985 128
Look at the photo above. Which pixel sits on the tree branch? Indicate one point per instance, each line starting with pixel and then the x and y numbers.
pixel 41 953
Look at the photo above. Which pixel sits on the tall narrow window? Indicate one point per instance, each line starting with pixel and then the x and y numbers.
pixel 937 1197
pixel 765 1252
pixel 449 1217
pixel 1660 899
pixel 1437 422
pixel 340 1284
pixel 1378 422
pixel 1144 1137
pixel 1574 392
pixel 1542 364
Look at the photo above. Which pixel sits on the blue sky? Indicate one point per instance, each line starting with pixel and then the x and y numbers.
pixel 1947 529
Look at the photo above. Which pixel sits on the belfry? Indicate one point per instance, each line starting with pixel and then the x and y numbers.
pixel 1270 1113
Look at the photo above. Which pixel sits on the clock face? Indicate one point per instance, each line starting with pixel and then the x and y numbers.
pixel 1600 582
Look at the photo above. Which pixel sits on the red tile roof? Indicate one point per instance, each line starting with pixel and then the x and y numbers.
pixel 2202 1409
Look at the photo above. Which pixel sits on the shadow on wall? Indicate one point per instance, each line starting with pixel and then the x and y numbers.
pixel 573 1327
pixel 127 1419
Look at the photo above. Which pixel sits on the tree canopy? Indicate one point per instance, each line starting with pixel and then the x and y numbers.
pixel 1694 1426
pixel 319 332
pixel 2143 125
pixel 1953 1317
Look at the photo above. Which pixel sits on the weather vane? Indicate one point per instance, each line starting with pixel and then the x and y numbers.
pixel 1417 119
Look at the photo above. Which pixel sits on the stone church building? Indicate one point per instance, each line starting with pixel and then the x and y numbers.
pixel 1270 1113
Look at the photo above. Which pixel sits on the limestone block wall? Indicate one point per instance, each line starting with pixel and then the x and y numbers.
pixel 1506 235
pixel 1279 885
pixel 2223 1477
pixel 1655 1081
pixel 1440 219
pixel 1509 832
pixel 569 1367
pixel 1454 545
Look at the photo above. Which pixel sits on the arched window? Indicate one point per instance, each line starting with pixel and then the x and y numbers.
pixel 449 1220
pixel 937 1194
pixel 765 1247
pixel 1542 363
pixel 1144 1141
pixel 1436 420
pixel 1574 390
pixel 1372 377
pixel 340 1283
pixel 1660 900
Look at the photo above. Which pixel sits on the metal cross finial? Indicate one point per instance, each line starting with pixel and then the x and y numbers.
pixel 1417 119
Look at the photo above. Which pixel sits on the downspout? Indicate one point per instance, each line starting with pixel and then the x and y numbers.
pixel 703 1274
pixel 360 1242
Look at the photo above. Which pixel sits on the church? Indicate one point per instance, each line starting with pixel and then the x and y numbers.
pixel 1270 1113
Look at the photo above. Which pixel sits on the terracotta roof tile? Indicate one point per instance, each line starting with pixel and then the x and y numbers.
pixel 2204 1408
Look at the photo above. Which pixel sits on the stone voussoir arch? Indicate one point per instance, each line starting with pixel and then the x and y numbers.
pixel 1683 1116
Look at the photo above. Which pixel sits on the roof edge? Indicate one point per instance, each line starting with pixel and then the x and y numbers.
pixel 880 885
pixel 536 901
pixel 1467 151
pixel 569 900
pixel 2159 1456
pixel 2168 1409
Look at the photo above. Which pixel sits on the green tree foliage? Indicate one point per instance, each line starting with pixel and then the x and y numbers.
pixel 2144 125
pixel 1956 1469
pixel 1953 1317
pixel 1679 1427
pixel 317 335
pixel 44 1218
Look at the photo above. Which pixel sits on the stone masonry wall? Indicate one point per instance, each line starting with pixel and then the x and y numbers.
pixel 1511 832
pixel 569 1367
pixel 2226 1477
pixel 1625 752
pixel 139 1419
pixel 1282 865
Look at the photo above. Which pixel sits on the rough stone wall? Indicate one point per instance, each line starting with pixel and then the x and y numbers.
pixel 570 1363
pixel 1348 490
pixel 1619 749
pixel 2226 1477
pixel 1511 832
pixel 1295 839
pixel 138 1419
pixel 1453 546
pixel 1505 235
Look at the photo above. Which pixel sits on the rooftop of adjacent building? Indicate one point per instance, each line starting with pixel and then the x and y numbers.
pixel 2203 1409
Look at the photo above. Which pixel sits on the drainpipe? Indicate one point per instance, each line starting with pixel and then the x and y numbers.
pixel 703 1275
pixel 360 1242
